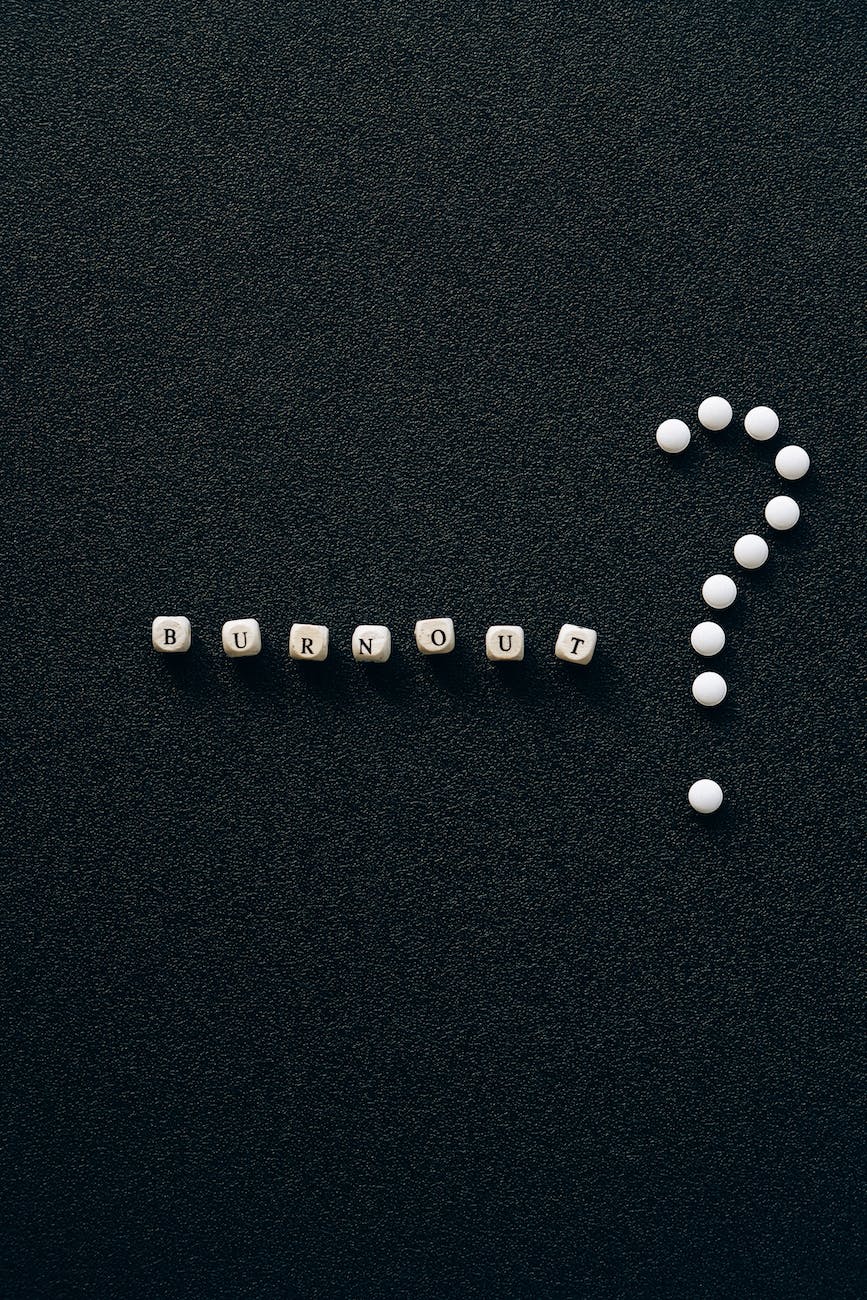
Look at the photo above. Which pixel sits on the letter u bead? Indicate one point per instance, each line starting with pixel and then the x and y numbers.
pixel 241 637
pixel 504 643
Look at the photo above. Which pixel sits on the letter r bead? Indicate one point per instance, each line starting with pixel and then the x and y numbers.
pixel 171 635
pixel 575 645
pixel 308 642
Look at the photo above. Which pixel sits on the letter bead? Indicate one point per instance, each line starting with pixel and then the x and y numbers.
pixel 435 636
pixel 308 641
pixel 504 643
pixel 575 645
pixel 171 635
pixel 371 643
pixel 241 637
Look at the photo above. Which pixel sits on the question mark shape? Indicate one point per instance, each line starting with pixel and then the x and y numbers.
pixel 750 552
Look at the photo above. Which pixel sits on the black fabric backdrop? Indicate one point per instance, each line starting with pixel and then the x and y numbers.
pixel 423 980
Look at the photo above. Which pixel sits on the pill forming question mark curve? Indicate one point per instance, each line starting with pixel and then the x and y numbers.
pixel 750 551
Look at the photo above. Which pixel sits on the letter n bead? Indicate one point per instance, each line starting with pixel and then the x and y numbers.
pixel 575 645
pixel 241 637
pixel 504 643
pixel 435 636
pixel 371 644
pixel 308 641
pixel 171 635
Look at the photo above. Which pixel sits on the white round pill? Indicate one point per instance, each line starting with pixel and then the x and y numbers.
pixel 751 551
pixel 715 413
pixel 719 591
pixel 673 435
pixel 705 796
pixel 707 638
pixel 792 462
pixel 709 689
pixel 782 513
pixel 761 423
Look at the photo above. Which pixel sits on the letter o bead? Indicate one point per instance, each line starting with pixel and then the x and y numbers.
pixel 241 637
pixel 371 644
pixel 308 642
pixel 575 645
pixel 504 643
pixel 435 636
pixel 171 635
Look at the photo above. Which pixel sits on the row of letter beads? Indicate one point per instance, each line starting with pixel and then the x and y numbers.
pixel 371 643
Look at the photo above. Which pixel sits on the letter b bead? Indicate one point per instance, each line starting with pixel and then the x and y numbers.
pixel 171 635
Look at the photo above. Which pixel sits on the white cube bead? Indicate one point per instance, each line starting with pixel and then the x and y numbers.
pixel 673 436
pixel 171 634
pixel 371 643
pixel 751 551
pixel 761 423
pixel 715 413
pixel 792 462
pixel 435 636
pixel 705 796
pixel 241 637
pixel 707 638
pixel 308 641
pixel 719 591
pixel 575 645
pixel 782 513
pixel 709 689
pixel 504 643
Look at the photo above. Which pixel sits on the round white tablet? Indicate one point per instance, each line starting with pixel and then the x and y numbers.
pixel 751 551
pixel 719 591
pixel 673 435
pixel 707 638
pixel 782 513
pixel 792 462
pixel 705 796
pixel 761 423
pixel 715 413
pixel 709 689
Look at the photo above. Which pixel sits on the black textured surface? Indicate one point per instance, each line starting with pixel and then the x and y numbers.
pixel 422 981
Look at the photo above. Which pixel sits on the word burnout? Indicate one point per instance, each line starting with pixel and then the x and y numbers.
pixel 371 642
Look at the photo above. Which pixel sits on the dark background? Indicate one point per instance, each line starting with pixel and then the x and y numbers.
pixel 423 980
